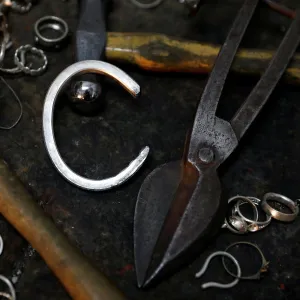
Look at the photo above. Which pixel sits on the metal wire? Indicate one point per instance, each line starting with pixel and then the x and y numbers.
pixel 10 287
pixel 13 125
pixel 150 5
pixel 217 284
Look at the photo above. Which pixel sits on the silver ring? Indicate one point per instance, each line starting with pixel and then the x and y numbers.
pixel 240 219
pixel 264 263
pixel 150 5
pixel 21 51
pixel 56 24
pixel 255 225
pixel 276 214
pixel 83 67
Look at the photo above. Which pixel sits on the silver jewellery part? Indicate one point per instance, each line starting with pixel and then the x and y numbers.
pixel 83 67
pixel 15 6
pixel 276 214
pixel 254 225
pixel 20 61
pixel 10 287
pixel 21 65
pixel 237 224
pixel 1 245
pixel 146 5
pixel 17 120
pixel 54 23
pixel 216 284
pixel 264 263
pixel 6 295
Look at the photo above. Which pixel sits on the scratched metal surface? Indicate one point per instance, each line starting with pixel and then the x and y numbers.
pixel 100 224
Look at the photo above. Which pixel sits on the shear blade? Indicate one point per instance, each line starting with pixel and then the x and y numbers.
pixel 173 211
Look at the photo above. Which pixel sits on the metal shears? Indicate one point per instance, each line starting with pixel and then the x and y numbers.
pixel 180 205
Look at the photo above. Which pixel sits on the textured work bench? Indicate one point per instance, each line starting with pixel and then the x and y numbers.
pixel 101 224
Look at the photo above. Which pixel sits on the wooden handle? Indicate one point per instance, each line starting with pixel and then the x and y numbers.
pixel 156 52
pixel 79 277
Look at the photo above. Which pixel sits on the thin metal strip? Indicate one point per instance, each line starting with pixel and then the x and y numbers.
pixel 213 90
pixel 262 91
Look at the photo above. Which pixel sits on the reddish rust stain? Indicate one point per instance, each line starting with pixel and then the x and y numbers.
pixel 282 286
pixel 125 269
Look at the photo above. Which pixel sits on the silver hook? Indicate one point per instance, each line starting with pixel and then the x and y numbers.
pixel 82 67
pixel 216 284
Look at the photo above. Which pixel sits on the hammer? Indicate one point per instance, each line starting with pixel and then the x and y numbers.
pixel 75 272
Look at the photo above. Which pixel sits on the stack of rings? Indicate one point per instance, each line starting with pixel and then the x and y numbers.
pixel 238 223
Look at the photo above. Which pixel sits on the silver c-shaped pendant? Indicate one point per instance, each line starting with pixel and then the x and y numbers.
pixel 88 66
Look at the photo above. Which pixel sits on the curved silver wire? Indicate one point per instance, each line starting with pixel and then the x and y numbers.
pixel 88 66
pixel 21 109
pixel 217 284
pixel 150 5
pixel 10 287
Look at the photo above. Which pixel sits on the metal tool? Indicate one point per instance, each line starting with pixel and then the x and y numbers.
pixel 86 92
pixel 76 273
pixel 161 53
pixel 217 284
pixel 179 204
pixel 264 263
pixel 128 83
pixel 54 23
pixel 276 214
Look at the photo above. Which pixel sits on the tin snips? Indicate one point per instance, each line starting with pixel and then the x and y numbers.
pixel 180 205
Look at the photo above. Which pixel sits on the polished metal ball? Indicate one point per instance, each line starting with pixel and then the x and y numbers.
pixel 85 96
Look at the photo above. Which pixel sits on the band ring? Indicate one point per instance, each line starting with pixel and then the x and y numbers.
pixel 276 214
pixel 264 263
pixel 54 23
pixel 255 225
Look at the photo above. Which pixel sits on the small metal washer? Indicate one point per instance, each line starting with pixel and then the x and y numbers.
pixel 276 214
pixel 264 262
pixel 56 24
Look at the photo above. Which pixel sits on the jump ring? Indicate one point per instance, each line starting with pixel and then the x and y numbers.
pixel 150 5
pixel 21 65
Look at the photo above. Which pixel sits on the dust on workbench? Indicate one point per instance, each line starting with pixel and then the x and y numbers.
pixel 101 224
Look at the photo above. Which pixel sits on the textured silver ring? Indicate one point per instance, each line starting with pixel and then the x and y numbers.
pixel 21 51
pixel 276 214
pixel 54 23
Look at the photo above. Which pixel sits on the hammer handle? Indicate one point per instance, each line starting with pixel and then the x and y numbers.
pixel 79 277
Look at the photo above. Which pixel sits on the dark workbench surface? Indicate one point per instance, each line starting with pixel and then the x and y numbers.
pixel 101 224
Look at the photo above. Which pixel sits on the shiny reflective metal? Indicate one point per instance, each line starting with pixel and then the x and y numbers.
pixel 180 204
pixel 217 284
pixel 90 45
pixel 254 225
pixel 54 23
pixel 10 287
pixel 20 61
pixel 276 214
pixel 235 223
pixel 81 68
pixel 264 263
pixel 15 6
pixel 4 35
